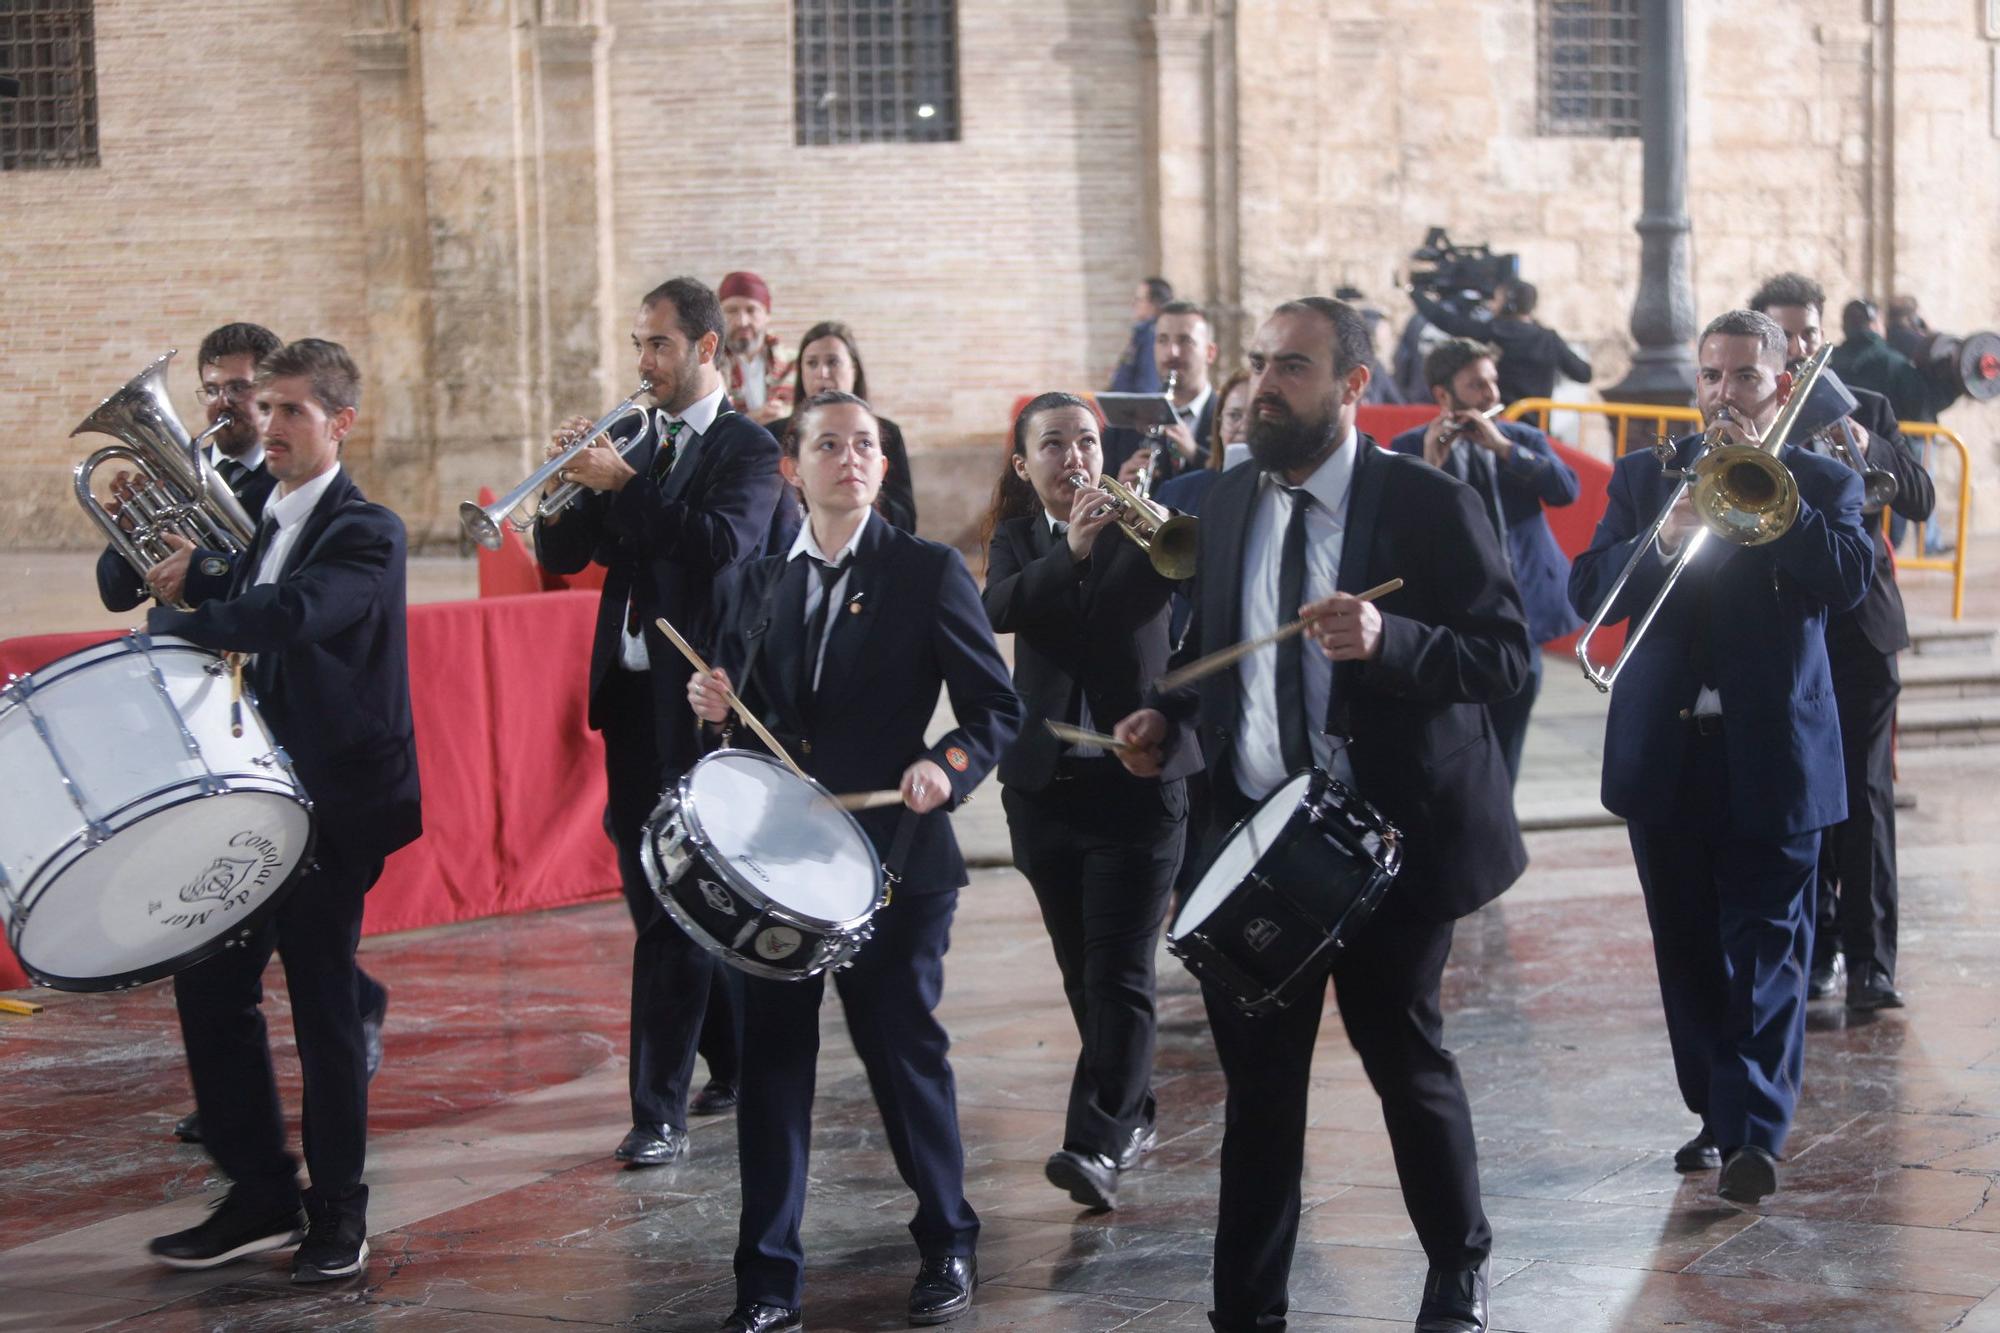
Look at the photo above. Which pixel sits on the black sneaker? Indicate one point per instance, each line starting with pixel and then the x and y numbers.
pixel 335 1247
pixel 234 1230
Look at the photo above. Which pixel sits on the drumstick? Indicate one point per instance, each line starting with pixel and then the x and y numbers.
pixel 868 800
pixel 749 718
pixel 1216 661
pixel 236 695
pixel 1063 731
pixel 25 1008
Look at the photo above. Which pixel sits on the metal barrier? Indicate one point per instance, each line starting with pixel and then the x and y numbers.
pixel 1929 432
pixel 1620 416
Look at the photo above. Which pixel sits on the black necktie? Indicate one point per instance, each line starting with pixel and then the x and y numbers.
pixel 232 472
pixel 1294 734
pixel 663 457
pixel 816 624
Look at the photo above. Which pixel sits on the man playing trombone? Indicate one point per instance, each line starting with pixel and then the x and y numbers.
pixel 1722 748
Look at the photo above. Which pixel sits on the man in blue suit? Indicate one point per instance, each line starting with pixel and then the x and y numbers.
pixel 1516 471
pixel 1722 752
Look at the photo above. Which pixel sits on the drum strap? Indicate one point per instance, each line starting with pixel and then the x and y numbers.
pixel 899 850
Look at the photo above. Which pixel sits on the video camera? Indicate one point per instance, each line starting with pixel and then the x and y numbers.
pixel 1459 269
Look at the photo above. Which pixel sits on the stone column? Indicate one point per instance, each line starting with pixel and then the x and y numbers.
pixel 1663 315
pixel 1177 41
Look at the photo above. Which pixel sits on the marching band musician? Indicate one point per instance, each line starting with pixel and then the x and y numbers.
pixel 848 638
pixel 1098 845
pixel 1392 701
pixel 1722 753
pixel 318 599
pixel 665 519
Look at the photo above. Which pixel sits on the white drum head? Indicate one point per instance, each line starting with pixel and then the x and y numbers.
pixel 783 837
pixel 1239 855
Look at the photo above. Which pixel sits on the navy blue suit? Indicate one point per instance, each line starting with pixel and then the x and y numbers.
pixel 331 678
pixel 909 623
pixel 664 543
pixel 1521 484
pixel 1725 818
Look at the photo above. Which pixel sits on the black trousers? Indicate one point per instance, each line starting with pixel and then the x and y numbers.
pixel 889 996
pixel 1510 717
pixel 1387 988
pixel 1857 861
pixel 314 933
pixel 683 999
pixel 1100 850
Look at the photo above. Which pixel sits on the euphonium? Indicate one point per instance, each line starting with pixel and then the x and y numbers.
pixel 175 491
pixel 1167 538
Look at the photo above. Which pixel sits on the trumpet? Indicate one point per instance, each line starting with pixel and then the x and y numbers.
pixel 1744 496
pixel 1167 538
pixel 1879 486
pixel 482 522
pixel 176 490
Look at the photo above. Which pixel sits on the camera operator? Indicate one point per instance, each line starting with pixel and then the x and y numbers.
pixel 1532 355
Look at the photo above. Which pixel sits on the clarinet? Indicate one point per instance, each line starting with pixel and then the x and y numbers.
pixel 1155 471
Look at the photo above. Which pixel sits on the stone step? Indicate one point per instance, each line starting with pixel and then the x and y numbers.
pixel 1948 676
pixel 1943 638
pixel 1923 724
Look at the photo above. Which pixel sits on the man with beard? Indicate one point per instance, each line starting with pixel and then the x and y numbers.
pixel 1390 697
pixel 758 375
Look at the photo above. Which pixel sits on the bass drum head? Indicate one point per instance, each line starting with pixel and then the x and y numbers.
pixel 163 892
pixel 1241 851
pixel 782 837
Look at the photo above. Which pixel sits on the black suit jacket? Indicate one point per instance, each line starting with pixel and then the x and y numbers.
pixel 332 672
pixel 665 544
pixel 1120 444
pixel 909 623
pixel 1454 639
pixel 120 588
pixel 1103 623
pixel 1879 624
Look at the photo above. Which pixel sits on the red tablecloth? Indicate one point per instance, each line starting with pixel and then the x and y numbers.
pixel 513 778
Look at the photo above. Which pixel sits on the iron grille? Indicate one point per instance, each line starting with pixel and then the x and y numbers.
pixel 50 48
pixel 875 71
pixel 1588 55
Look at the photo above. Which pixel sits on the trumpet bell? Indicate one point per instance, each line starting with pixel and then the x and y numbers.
pixel 1744 495
pixel 479 525
pixel 1172 546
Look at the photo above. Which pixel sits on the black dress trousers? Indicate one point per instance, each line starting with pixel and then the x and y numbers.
pixel 1857 862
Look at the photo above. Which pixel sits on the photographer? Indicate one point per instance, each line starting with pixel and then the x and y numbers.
pixel 1532 355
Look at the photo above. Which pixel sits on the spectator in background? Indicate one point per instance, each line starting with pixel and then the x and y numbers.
pixel 1532 355
pixel 1908 330
pixel 1865 358
pixel 755 371
pixel 1382 387
pixel 1136 372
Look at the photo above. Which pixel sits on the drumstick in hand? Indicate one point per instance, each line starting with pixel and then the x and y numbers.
pixel 1230 656
pixel 868 800
pixel 235 661
pixel 1063 731
pixel 729 695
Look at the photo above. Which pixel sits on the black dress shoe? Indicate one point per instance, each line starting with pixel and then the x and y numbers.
pixel 371 1034
pixel 236 1229
pixel 755 1318
pixel 188 1128
pixel 1144 1139
pixel 1824 982
pixel 714 1099
pixel 1455 1301
pixel 943 1289
pixel 1871 989
pixel 336 1244
pixel 1698 1153
pixel 652 1145
pixel 1090 1177
pixel 1749 1177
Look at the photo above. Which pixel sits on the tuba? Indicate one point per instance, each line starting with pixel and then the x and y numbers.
pixel 174 491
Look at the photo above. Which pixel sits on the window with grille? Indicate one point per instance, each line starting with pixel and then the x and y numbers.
pixel 1589 68
pixel 875 71
pixel 49 49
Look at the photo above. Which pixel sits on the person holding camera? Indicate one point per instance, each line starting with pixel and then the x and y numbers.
pixel 1532 355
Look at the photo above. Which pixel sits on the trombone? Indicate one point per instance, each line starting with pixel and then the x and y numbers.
pixel 482 522
pixel 1743 494
pixel 1167 538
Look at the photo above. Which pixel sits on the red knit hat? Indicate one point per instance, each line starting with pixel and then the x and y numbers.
pixel 744 283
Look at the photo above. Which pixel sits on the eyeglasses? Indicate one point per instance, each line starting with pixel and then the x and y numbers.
pixel 234 390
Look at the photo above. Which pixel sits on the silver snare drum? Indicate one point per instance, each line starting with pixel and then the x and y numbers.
pixel 761 868
pixel 138 835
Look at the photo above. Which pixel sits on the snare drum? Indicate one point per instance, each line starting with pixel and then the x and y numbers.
pixel 1288 889
pixel 760 867
pixel 138 835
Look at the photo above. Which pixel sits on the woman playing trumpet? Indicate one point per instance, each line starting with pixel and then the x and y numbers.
pixel 1099 846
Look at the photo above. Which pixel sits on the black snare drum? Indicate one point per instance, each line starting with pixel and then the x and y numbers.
pixel 1288 889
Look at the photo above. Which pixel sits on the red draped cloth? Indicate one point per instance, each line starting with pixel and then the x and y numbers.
pixel 513 778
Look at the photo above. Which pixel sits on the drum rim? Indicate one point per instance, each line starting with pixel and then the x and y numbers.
pixel 690 816
pixel 180 962
pixel 17 688
pixel 1317 778
pixel 825 958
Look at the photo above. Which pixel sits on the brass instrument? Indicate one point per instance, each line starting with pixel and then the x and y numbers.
pixel 1879 486
pixel 1167 538
pixel 1154 474
pixel 482 523
pixel 1743 494
pixel 175 490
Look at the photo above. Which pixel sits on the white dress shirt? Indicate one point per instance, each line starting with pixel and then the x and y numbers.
pixel 754 389
pixel 807 544
pixel 287 514
pixel 699 416
pixel 1260 764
